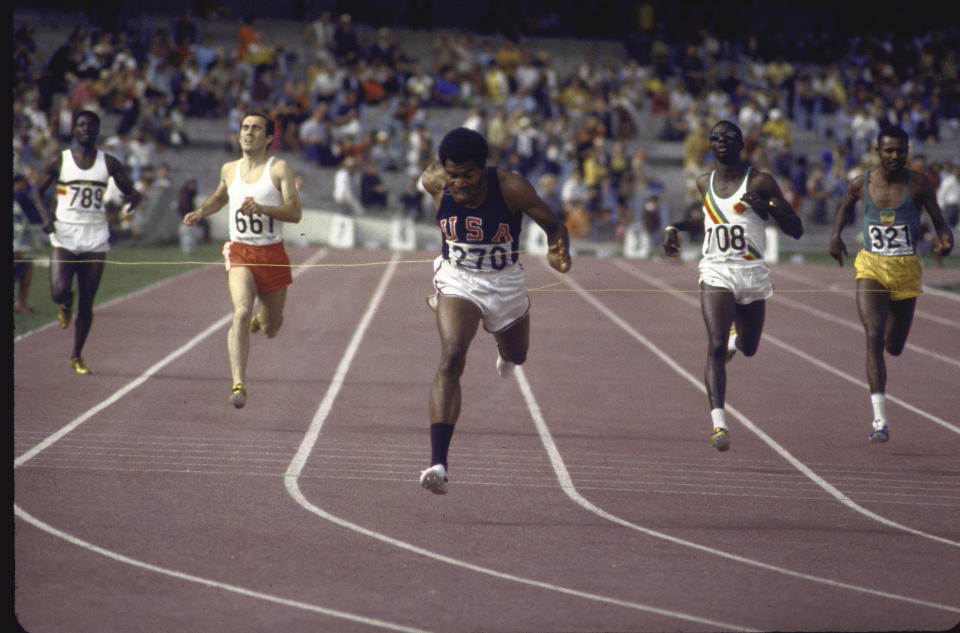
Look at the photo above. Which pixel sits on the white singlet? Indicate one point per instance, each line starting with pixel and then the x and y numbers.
pixel 80 192
pixel 257 229
pixel 732 232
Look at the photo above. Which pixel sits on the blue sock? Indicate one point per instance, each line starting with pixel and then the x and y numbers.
pixel 440 434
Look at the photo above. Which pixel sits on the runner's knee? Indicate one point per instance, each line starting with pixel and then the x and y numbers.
pixel 242 314
pixel 271 327
pixel 453 359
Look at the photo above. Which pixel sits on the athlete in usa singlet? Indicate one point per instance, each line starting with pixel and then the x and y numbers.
pixel 482 239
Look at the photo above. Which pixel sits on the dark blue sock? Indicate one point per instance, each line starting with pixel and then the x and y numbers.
pixel 440 434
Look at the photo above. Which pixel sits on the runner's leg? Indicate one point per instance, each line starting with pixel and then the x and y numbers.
pixel 749 323
pixel 89 274
pixel 873 303
pixel 62 269
pixel 514 341
pixel 719 311
pixel 271 311
pixel 899 319
pixel 243 292
pixel 457 322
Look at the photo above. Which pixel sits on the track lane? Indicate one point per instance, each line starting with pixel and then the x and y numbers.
pixel 398 444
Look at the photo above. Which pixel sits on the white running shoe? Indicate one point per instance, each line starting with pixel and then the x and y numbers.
pixel 879 433
pixel 732 343
pixel 504 367
pixel 434 479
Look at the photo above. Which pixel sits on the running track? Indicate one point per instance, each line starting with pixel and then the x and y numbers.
pixel 584 493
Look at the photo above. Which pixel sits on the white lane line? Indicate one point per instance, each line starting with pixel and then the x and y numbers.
pixel 142 378
pixel 567 485
pixel 943 294
pixel 936 292
pixel 802 307
pixel 793 350
pixel 145 289
pixel 769 441
pixel 292 476
pixel 24 515
pixel 250 593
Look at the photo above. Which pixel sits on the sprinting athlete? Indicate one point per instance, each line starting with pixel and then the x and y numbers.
pixel 887 268
pixel 478 276
pixel 260 193
pixel 734 277
pixel 79 231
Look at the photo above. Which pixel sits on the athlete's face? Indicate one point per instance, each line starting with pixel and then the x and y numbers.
pixel 86 129
pixel 726 142
pixel 464 180
pixel 893 153
pixel 253 134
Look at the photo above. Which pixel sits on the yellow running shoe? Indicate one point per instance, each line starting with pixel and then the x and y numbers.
pixel 64 316
pixel 238 396
pixel 77 364
pixel 720 439
pixel 255 325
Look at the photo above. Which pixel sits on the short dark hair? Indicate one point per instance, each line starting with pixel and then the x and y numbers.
pixel 730 124
pixel 88 113
pixel 892 131
pixel 270 129
pixel 463 144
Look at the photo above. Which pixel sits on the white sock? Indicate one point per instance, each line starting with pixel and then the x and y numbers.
pixel 878 400
pixel 732 342
pixel 719 418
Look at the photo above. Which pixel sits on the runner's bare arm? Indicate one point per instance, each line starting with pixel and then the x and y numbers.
pixel 433 179
pixel 119 173
pixel 766 198
pixel 217 199
pixel 47 177
pixel 671 233
pixel 837 248
pixel 520 196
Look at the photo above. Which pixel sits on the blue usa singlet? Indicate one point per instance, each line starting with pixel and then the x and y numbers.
pixel 482 239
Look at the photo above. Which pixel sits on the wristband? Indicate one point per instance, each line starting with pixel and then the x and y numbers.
pixel 671 228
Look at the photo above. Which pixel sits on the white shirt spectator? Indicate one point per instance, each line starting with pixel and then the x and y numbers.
pixel 345 188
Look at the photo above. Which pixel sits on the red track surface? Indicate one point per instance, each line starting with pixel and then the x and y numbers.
pixel 584 494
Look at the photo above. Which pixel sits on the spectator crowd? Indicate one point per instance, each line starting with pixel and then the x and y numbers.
pixel 351 100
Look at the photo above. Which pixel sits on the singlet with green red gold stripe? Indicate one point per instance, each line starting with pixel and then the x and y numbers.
pixel 730 233
pixel 890 231
pixel 80 191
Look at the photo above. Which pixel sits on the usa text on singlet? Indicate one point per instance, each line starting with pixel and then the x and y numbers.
pixel 481 239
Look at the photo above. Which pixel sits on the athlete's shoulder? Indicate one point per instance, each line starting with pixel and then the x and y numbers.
pixel 279 164
pixel 919 181
pixel 228 169
pixel 512 183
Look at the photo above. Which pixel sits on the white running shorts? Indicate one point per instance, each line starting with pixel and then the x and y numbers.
pixel 501 296
pixel 81 238
pixel 748 281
